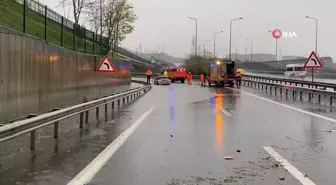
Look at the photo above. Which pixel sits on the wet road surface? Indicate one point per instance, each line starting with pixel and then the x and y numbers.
pixel 186 137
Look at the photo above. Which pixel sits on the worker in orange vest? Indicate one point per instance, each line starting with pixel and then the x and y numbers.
pixel 189 78
pixel 148 74
pixel 202 79
pixel 238 78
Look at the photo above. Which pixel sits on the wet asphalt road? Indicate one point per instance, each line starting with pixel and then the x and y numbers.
pixel 185 139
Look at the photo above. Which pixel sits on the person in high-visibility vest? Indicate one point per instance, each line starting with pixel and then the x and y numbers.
pixel 238 78
pixel 189 78
pixel 165 73
pixel 202 79
pixel 148 74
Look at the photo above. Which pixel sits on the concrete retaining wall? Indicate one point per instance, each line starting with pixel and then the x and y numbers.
pixel 36 76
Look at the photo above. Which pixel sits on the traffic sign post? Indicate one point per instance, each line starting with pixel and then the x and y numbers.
pixel 106 65
pixel 313 62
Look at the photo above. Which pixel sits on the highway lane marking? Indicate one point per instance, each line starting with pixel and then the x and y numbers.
pixel 288 106
pixel 225 112
pixel 289 167
pixel 87 174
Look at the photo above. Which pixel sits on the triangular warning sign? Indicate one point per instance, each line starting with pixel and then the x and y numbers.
pixel 106 65
pixel 313 61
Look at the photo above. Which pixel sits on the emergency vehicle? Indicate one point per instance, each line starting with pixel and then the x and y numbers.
pixel 222 72
pixel 176 74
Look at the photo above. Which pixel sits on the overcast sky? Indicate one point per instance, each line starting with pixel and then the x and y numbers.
pixel 164 24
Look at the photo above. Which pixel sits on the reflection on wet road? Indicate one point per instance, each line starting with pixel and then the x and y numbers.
pixel 186 137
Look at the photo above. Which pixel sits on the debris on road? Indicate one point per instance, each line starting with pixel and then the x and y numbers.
pixel 238 151
pixel 282 178
pixel 228 158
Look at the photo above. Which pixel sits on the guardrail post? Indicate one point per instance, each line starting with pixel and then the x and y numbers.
pixel 87 117
pixel 32 140
pixel 331 100
pixel 309 97
pixel 294 93
pixel 301 96
pixel 286 92
pixel 105 112
pixel 118 103
pixel 32 134
pixel 97 113
pixel 56 130
pixel 280 91
pixel 81 119
pixel 319 98
pixel 112 106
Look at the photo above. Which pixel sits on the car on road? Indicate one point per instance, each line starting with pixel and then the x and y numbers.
pixel 162 80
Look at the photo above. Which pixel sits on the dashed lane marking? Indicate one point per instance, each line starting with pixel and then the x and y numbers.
pixel 87 174
pixel 226 112
pixel 289 167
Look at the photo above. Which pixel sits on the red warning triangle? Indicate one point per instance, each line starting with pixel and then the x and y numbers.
pixel 313 61
pixel 106 65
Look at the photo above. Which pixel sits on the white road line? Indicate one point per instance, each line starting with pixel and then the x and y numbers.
pixel 290 168
pixel 87 174
pixel 226 112
pixel 288 106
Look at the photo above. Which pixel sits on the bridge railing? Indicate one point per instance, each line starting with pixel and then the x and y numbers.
pixel 35 122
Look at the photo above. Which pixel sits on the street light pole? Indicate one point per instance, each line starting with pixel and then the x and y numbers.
pixel 236 51
pixel 316 22
pixel 214 54
pixel 251 47
pixel 204 46
pixel 231 34
pixel 196 34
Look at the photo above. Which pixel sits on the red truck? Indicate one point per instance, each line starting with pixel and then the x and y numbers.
pixel 222 72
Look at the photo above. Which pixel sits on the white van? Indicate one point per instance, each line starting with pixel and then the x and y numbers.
pixel 295 70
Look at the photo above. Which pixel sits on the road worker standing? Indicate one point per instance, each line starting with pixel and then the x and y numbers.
pixel 189 78
pixel 238 78
pixel 202 78
pixel 148 74
pixel 165 73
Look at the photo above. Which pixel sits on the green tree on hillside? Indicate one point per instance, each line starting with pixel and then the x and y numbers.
pixel 118 21
pixel 198 64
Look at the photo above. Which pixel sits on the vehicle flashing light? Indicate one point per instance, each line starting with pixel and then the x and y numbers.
pixel 218 62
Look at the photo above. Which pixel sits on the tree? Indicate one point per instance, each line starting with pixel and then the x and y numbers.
pixel 198 64
pixel 118 21
pixel 93 15
pixel 78 6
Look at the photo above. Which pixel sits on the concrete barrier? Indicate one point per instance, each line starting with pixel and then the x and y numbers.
pixel 36 76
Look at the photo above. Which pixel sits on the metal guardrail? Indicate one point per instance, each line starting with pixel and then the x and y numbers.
pixel 301 83
pixel 34 122
pixel 296 91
